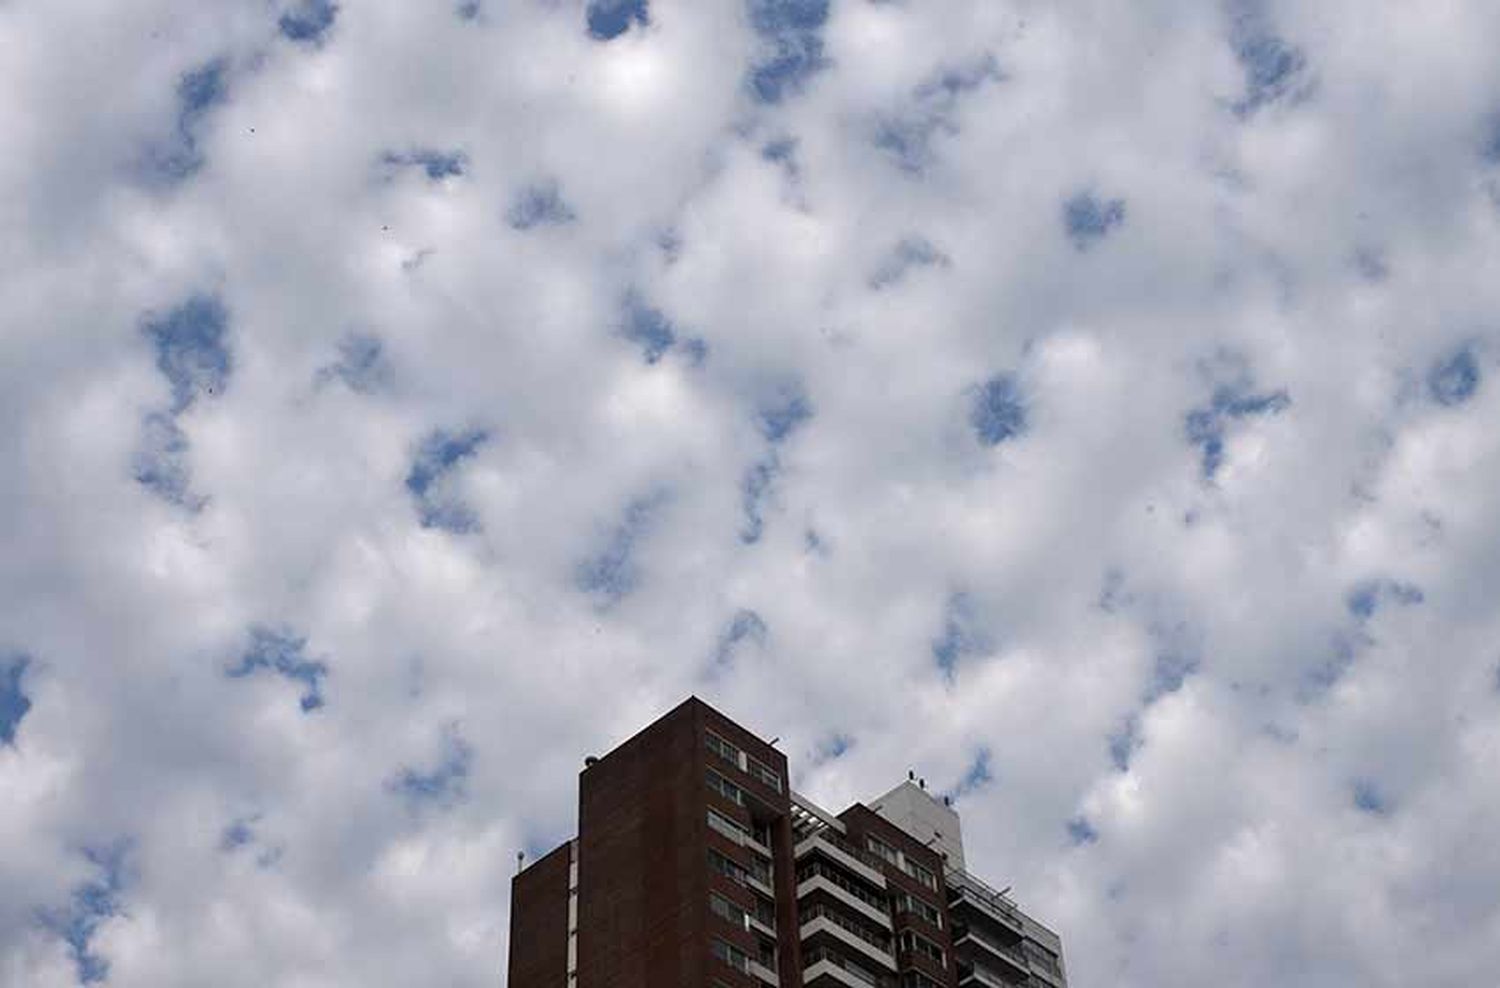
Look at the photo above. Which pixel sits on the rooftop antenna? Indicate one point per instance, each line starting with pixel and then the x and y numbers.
pixel 520 862
pixel 911 775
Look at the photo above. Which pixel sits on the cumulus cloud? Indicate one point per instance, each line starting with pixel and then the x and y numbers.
pixel 1088 404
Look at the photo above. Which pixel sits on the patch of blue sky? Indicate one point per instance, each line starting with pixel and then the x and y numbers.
pixel 998 412
pixel 1275 71
pixel 1088 219
pixel 1489 142
pixel 1328 670
pixel 1124 743
pixel 833 746
pixel 446 784
pixel 539 204
pixel 963 634
pixel 745 626
pixel 1206 427
pixel 977 776
pixel 14 703
pixel 910 252
pixel 308 21
pixel 649 328
pixel 468 10
pixel 907 133
pixel 1113 594
pixel 695 350
pixel 199 90
pixel 1367 596
pixel 437 457
pixel 161 462
pixel 608 19
pixel 756 488
pixel 1454 379
pixel 239 833
pixel 783 150
pixel 361 365
pixel 283 653
pixel 1081 832
pixel 90 905
pixel 782 410
pixel 437 165
pixel 1168 672
pixel 613 572
pixel 956 80
pixel 792 32
pixel 1368 798
pixel 192 350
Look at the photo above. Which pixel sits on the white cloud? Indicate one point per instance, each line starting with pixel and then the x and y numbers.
pixel 720 361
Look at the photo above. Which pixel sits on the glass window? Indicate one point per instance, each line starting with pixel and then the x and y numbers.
pixel 725 788
pixel 731 955
pixel 723 749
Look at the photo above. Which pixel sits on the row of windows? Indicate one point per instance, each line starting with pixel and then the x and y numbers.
pixel 837 877
pixel 739 960
pixel 908 903
pixel 729 828
pixel 851 968
pixel 1043 958
pixel 915 942
pixel 868 934
pixel 717 783
pixel 731 955
pixel 890 855
pixel 743 761
pixel 736 872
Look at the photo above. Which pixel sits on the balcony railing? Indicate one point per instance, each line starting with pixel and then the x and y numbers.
pixel 871 978
pixel 986 897
pixel 1012 953
pixel 872 937
pixel 974 974
pixel 836 876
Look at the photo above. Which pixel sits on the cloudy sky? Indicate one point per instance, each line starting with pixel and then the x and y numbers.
pixel 1091 405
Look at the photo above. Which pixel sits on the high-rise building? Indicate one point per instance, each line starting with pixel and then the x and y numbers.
pixel 696 866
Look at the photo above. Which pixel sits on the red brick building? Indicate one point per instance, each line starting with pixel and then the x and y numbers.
pixel 696 866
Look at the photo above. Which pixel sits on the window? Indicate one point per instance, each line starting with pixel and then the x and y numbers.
pixel 915 942
pixel 727 827
pixel 882 850
pixel 723 749
pixel 1042 957
pixel 817 869
pixel 728 910
pixel 921 874
pixel 916 979
pixel 731 955
pixel 717 783
pixel 736 872
pixel 909 903
pixel 764 773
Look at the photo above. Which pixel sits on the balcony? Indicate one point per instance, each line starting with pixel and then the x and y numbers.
pixel 965 889
pixel 825 967
pixel 820 919
pixel 866 866
pixel 974 976
pixel 975 941
pixel 827 881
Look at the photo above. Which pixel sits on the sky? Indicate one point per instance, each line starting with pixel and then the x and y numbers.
pixel 1087 405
